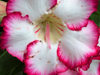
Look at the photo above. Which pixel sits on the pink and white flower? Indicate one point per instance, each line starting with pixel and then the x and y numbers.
pixel 70 72
pixel 94 68
pixel 48 34
pixel 41 60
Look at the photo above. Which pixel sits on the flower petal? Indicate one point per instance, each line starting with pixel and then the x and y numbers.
pixel 69 72
pixel 33 8
pixel 99 41
pixel 76 12
pixel 18 32
pixel 93 70
pixel 40 60
pixel 77 46
pixel 86 66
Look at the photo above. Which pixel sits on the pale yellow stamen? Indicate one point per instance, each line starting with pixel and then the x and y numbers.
pixel 56 27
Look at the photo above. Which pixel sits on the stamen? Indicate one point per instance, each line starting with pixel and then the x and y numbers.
pixel 47 35
pixel 37 30
pixel 47 27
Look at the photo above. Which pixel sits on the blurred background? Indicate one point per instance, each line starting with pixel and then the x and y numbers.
pixel 12 66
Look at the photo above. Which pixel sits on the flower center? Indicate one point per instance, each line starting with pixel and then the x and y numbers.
pixel 50 25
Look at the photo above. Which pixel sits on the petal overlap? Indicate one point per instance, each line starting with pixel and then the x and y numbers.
pixel 34 8
pixel 69 72
pixel 75 13
pixel 18 33
pixel 41 60
pixel 94 68
pixel 77 47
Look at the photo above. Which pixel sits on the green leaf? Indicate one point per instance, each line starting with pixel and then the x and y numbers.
pixel 10 65
pixel 96 16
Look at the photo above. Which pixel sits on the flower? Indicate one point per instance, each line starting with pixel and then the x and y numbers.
pixel 94 68
pixel 50 36
pixel 69 72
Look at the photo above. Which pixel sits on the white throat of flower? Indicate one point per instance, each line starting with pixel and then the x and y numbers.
pixel 49 28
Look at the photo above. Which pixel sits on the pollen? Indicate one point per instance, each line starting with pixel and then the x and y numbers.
pixel 56 27
pixel 48 62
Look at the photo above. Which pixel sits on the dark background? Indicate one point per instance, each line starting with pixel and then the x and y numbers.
pixel 10 65
pixel 4 0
